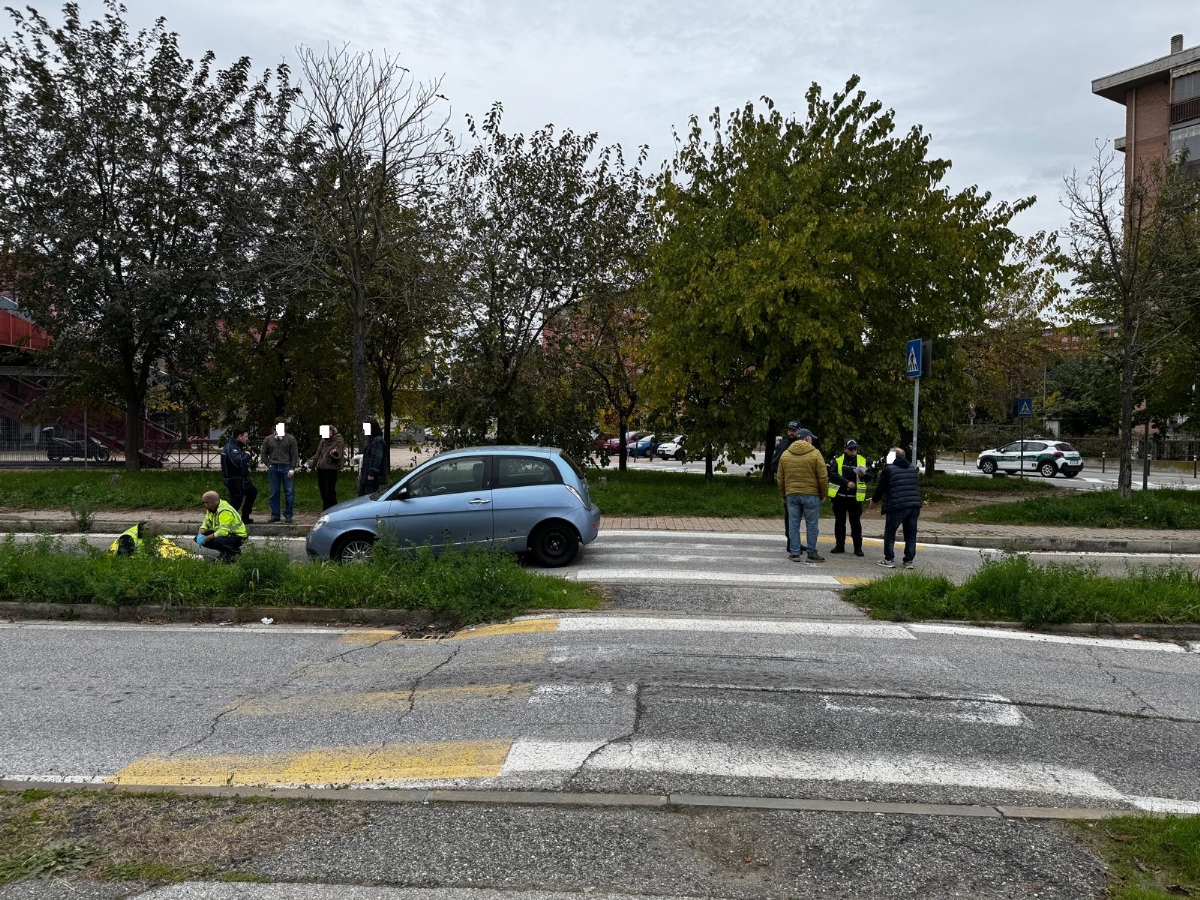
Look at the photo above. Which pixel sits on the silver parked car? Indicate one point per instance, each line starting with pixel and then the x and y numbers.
pixel 523 499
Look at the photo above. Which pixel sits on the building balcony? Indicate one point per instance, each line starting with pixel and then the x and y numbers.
pixel 1188 109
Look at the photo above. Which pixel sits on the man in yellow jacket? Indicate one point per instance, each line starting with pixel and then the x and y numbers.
pixel 803 480
pixel 223 530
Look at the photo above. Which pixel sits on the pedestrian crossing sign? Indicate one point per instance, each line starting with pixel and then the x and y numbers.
pixel 912 359
pixel 1025 408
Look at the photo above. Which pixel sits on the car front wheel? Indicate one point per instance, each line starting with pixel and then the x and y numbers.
pixel 988 467
pixel 1047 469
pixel 554 544
pixel 354 549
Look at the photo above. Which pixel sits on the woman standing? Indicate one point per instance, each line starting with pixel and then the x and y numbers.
pixel 328 462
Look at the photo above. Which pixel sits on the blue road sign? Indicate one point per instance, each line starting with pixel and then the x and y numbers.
pixel 1025 408
pixel 912 359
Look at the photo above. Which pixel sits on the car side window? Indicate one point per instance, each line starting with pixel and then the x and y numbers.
pixel 1034 446
pixel 521 471
pixel 1011 448
pixel 455 476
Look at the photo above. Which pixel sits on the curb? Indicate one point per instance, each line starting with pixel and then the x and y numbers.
pixel 552 798
pixel 221 615
pixel 1062 545
pixel 1159 631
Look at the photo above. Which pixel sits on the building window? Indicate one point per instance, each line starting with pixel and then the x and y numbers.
pixel 1187 138
pixel 1185 87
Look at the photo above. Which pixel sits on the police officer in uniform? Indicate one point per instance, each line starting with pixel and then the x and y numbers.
pixel 848 488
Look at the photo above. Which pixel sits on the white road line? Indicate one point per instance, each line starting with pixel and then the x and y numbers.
pixel 735 626
pixel 551 693
pixel 1007 635
pixel 695 535
pixel 532 757
pixel 681 576
pixel 1167 805
pixel 995 711
pixel 724 760
pixel 661 556
pixel 190 629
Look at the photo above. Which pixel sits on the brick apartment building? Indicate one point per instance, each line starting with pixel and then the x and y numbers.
pixel 1162 108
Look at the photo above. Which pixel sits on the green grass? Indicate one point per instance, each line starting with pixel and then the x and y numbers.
pixel 683 494
pixel 1093 509
pixel 458 588
pixel 170 489
pixel 1015 590
pixel 946 481
pixel 1147 857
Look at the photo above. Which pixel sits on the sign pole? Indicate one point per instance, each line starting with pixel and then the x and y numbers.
pixel 916 411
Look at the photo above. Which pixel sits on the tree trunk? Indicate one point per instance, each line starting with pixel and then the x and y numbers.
pixel 1125 470
pixel 358 358
pixel 768 475
pixel 387 411
pixel 708 463
pixel 133 434
pixel 622 449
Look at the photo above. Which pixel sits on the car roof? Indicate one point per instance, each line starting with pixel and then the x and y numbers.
pixel 501 450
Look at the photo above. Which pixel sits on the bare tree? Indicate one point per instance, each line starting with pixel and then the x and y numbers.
pixel 1132 248
pixel 379 142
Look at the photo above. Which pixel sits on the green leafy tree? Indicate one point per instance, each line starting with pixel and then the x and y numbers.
pixel 131 182
pixel 543 222
pixel 794 259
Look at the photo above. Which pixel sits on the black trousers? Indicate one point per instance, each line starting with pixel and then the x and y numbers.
pixel 229 546
pixel 327 485
pixel 242 494
pixel 843 508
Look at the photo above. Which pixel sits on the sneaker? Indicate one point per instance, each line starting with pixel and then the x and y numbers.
pixel 838 550
pixel 908 565
pixel 815 557
pixel 273 519
pixel 887 563
pixel 794 557
pixel 859 553
pixel 288 519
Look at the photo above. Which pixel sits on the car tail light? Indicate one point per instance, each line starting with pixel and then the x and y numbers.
pixel 1058 454
pixel 575 493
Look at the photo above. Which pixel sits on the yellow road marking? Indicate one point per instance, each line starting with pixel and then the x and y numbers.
pixel 364 701
pixel 853 579
pixel 403 663
pixel 525 626
pixel 369 636
pixel 342 765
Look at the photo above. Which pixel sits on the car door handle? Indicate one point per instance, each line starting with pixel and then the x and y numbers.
pixel 479 501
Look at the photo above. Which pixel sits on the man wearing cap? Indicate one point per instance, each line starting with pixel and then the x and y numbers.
pixel 848 488
pixel 803 480
pixel 793 428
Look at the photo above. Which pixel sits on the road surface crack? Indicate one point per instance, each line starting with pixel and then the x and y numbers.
pixel 626 738
pixel 1117 682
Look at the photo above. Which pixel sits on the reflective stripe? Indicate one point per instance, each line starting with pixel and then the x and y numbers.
pixel 860 487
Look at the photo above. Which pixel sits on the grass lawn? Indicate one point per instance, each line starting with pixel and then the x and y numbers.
pixel 1013 589
pixel 1093 509
pixel 1147 857
pixel 457 588
pixel 683 494
pixel 975 484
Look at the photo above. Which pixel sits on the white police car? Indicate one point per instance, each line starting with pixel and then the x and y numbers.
pixel 1047 457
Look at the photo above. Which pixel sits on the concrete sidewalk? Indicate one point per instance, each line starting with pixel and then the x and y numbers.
pixel 1028 538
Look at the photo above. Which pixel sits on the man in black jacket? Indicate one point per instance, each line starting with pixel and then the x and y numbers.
pixel 235 470
pixel 793 430
pixel 901 497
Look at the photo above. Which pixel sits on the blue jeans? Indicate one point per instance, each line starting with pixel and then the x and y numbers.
pixel 895 518
pixel 276 476
pixel 807 507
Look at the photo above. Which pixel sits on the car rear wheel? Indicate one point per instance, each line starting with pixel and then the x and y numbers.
pixel 554 544
pixel 354 548
pixel 1047 469
pixel 988 466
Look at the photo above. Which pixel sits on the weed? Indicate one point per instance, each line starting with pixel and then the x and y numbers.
pixel 83 510
pixel 242 876
pixel 158 872
pixel 54 859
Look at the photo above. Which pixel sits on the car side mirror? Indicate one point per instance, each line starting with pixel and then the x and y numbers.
pixel 401 494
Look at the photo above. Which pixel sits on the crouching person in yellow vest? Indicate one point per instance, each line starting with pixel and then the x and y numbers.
pixel 223 530
pixel 848 488
pixel 145 537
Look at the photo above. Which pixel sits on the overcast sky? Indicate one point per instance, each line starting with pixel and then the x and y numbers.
pixel 1003 86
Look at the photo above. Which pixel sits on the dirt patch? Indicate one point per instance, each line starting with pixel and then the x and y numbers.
pixel 154 838
pixel 938 503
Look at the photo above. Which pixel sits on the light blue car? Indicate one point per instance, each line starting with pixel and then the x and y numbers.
pixel 522 499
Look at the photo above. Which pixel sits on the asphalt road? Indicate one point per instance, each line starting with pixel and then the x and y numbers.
pixel 723 673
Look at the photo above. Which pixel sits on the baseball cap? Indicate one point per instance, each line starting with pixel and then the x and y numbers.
pixel 805 433
pixel 793 425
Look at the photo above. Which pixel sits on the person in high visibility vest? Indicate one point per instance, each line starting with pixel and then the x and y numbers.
pixel 145 537
pixel 848 488
pixel 222 530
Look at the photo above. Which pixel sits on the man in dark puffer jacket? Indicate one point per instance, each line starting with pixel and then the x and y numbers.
pixel 901 497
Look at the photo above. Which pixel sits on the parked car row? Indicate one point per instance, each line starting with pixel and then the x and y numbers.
pixel 646 446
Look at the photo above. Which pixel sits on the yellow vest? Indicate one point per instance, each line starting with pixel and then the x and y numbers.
pixel 163 548
pixel 860 486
